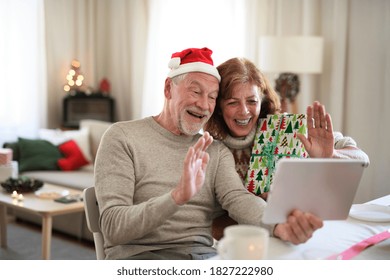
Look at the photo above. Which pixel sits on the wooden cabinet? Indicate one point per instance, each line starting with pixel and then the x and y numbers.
pixel 95 106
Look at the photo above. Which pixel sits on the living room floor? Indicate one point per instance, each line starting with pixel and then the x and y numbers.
pixel 24 243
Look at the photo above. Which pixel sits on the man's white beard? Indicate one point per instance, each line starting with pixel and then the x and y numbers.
pixel 189 129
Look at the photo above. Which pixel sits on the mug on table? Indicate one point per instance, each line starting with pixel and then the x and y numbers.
pixel 243 242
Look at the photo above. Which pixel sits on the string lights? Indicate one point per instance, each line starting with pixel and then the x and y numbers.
pixel 74 77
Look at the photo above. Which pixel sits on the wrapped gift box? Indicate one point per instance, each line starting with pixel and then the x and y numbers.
pixel 5 156
pixel 276 137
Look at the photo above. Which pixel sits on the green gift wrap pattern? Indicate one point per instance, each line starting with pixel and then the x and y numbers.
pixel 276 137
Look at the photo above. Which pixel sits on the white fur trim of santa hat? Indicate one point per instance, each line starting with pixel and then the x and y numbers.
pixel 188 63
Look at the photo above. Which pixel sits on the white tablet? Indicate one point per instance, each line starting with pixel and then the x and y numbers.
pixel 324 187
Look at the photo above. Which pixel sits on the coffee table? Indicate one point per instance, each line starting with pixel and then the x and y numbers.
pixel 44 206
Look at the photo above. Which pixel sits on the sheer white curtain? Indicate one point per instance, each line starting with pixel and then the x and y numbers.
pixel 22 73
pixel 367 89
pixel 130 43
pixel 286 18
pixel 175 25
pixel 108 38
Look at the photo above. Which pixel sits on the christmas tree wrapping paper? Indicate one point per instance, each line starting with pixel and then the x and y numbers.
pixel 276 137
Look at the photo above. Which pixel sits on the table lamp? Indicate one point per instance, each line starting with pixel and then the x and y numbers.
pixel 290 56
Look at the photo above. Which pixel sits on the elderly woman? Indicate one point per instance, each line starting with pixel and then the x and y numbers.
pixel 245 96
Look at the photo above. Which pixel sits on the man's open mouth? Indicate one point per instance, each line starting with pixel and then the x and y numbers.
pixel 196 115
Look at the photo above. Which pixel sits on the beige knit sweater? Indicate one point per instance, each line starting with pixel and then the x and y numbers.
pixel 138 164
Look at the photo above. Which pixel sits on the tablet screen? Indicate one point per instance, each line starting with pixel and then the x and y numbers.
pixel 324 187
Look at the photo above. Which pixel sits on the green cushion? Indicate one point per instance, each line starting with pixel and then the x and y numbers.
pixel 37 155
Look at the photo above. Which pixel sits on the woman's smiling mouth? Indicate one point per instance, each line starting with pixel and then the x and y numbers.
pixel 242 122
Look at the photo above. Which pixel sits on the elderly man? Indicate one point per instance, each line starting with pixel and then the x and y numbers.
pixel 159 190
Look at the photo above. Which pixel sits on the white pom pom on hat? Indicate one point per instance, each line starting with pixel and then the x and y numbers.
pixel 174 63
pixel 193 60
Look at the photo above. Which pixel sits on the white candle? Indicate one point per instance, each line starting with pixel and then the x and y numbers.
pixel 14 194
pixel 20 197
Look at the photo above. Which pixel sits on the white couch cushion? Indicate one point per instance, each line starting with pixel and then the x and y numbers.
pixel 57 137
pixel 78 179
pixel 96 130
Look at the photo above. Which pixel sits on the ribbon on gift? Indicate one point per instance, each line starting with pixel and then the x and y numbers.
pixel 268 152
pixel 272 150
pixel 270 161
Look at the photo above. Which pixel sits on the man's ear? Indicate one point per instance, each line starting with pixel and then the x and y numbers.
pixel 168 88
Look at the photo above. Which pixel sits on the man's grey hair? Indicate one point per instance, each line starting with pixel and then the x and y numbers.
pixel 179 78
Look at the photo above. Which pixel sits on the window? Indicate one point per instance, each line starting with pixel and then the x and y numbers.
pixel 22 71
pixel 176 25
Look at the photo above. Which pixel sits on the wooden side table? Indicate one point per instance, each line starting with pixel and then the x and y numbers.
pixel 46 208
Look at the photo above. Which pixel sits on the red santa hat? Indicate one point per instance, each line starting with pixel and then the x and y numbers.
pixel 192 60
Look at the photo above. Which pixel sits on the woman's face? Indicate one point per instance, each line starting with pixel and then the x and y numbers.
pixel 242 110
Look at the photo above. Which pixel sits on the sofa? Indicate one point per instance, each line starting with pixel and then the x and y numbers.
pixel 87 139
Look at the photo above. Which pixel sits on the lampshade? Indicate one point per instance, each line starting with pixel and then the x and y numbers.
pixel 295 54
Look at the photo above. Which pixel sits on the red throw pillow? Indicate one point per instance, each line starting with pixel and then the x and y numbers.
pixel 74 158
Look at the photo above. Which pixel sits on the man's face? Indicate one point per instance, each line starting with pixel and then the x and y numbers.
pixel 191 102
